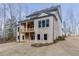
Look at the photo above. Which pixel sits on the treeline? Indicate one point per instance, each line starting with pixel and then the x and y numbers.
pixel 10 14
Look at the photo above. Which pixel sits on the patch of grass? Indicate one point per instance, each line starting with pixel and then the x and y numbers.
pixel 40 44
pixel 60 38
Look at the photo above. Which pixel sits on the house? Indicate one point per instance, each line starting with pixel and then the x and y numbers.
pixel 42 26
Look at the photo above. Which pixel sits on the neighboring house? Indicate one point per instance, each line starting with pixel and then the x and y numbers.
pixel 42 26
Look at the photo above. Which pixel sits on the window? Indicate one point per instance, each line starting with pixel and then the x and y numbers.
pixel 18 37
pixel 39 24
pixel 43 23
pixel 32 37
pixel 18 29
pixel 47 22
pixel 23 37
pixel 38 36
pixel 45 36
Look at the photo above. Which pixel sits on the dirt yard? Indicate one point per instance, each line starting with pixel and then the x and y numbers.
pixel 68 47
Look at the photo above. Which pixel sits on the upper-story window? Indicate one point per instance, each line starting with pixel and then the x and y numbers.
pixel 39 23
pixel 47 23
pixel 43 23
pixel 18 29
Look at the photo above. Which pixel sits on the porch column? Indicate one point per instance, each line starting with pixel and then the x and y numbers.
pixel 35 38
pixel 26 26
pixel 29 37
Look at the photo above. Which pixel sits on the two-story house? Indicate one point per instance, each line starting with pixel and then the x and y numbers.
pixel 42 26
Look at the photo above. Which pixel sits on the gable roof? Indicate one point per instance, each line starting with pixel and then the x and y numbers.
pixel 53 8
pixel 47 11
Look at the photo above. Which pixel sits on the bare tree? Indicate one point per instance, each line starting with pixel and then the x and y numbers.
pixel 11 13
pixel 69 22
pixel 4 15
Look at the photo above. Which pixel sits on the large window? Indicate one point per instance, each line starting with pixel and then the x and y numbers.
pixel 45 36
pixel 38 36
pixel 39 24
pixel 47 23
pixel 43 23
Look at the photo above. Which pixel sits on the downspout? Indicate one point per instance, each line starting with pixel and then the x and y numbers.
pixel 19 32
pixel 54 18
pixel 53 30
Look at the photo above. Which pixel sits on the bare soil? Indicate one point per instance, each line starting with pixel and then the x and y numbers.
pixel 68 47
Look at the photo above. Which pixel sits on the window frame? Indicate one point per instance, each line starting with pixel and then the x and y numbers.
pixel 47 22
pixel 38 36
pixel 39 24
pixel 45 36
pixel 18 29
pixel 33 37
pixel 43 23
pixel 18 37
pixel 23 37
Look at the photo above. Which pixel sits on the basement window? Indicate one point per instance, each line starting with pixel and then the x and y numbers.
pixel 18 29
pixel 23 37
pixel 38 36
pixel 18 37
pixel 32 37
pixel 45 36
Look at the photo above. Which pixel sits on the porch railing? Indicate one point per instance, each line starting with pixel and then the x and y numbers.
pixel 23 30
pixel 27 29
pixel 30 29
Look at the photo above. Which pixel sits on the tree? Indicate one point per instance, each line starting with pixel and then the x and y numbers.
pixel 8 29
pixel 11 14
pixel 9 23
pixel 4 15
pixel 69 22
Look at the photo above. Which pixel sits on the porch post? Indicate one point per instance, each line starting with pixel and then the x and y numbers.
pixel 29 37
pixel 35 38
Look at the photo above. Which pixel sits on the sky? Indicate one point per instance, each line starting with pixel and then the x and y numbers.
pixel 73 10
pixel 70 12
pixel 34 7
pixel 66 9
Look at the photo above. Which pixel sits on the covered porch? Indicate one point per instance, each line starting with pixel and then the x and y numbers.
pixel 27 26
pixel 29 37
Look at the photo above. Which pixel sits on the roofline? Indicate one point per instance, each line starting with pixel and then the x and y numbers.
pixel 44 10
pixel 35 18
